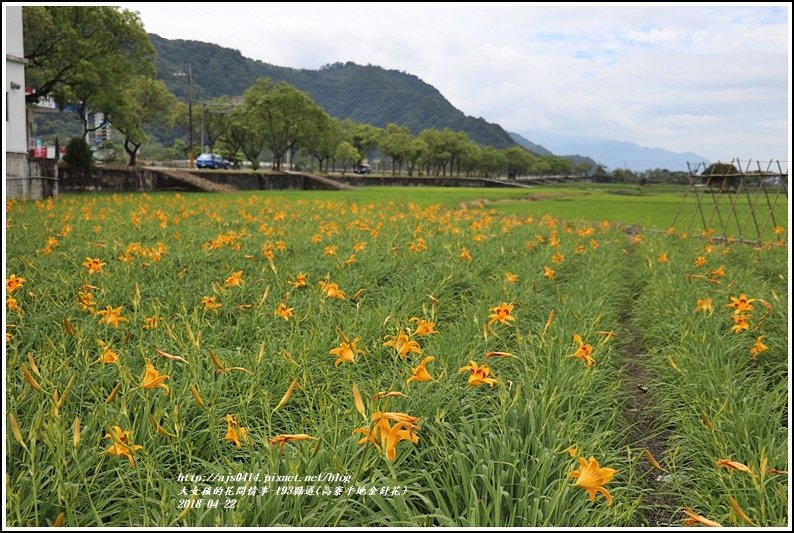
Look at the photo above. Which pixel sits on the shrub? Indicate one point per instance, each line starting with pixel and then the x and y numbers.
pixel 78 154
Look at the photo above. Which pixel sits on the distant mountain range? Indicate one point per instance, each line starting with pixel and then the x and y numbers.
pixel 377 96
pixel 367 94
pixel 616 154
pixel 537 149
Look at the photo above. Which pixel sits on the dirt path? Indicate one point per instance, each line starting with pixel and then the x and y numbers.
pixel 645 430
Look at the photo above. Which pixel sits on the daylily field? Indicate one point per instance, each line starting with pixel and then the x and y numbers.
pixel 318 361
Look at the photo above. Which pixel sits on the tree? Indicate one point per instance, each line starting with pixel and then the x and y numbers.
pixel 436 157
pixel 285 115
pixel 471 158
pixel 455 142
pixel 492 161
pixel 79 155
pixel 243 136
pixel 721 175
pixel 519 161
pixel 215 120
pixel 363 137
pixel 347 154
pixel 416 152
pixel 84 55
pixel 145 101
pixel 396 143
pixel 624 175
pixel 322 141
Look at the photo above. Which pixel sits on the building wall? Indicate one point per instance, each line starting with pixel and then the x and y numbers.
pixel 15 124
pixel 31 178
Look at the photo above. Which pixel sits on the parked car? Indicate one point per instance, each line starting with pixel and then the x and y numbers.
pixel 362 169
pixel 211 161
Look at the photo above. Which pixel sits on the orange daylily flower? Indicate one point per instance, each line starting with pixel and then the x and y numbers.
pixel 94 265
pixel 300 280
pixel 112 316
pixel 108 355
pixel 418 246
pixel 700 261
pixel 13 283
pixel 478 374
pixel 740 323
pixel 152 379
pixel 779 230
pixel 122 444
pixel 151 322
pixel 584 351
pixel 283 311
pixel 86 299
pixel 12 305
pixel 402 344
pixel 385 436
pixel 703 305
pixel 420 372
pixel 52 242
pixel 695 518
pixel 235 433
pixel 501 313
pixel 558 258
pixel 235 280
pixel 211 303
pixel 423 327
pixel 549 273
pixel 592 477
pixel 332 290
pixel 510 277
pixel 662 257
pixel 465 255
pixel 759 347
pixel 346 352
pixel 741 304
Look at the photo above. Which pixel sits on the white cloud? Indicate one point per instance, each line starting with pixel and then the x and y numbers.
pixel 712 80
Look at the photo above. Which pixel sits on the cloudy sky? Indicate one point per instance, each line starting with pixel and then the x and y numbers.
pixel 711 80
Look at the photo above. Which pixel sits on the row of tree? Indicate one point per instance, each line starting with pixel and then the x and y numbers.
pixel 99 59
pixel 280 120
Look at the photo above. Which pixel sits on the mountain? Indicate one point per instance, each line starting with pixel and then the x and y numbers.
pixel 540 150
pixel 617 154
pixel 367 94
pixel 529 145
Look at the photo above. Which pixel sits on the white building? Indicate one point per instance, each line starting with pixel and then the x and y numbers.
pixel 16 135
pixel 25 178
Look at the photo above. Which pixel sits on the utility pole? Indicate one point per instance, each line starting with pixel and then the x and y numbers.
pixel 202 127
pixel 191 154
pixel 189 75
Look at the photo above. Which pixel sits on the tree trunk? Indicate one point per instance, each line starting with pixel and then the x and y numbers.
pixel 132 150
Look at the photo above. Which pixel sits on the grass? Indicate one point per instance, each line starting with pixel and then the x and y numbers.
pixel 720 401
pixel 658 206
pixel 485 456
